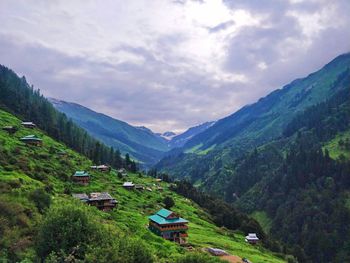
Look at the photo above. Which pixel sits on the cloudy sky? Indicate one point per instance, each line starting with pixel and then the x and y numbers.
pixel 167 64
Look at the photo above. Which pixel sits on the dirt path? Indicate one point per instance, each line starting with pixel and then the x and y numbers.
pixel 232 259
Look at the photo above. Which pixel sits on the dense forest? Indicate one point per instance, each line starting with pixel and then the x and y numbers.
pixel 303 191
pixel 296 184
pixel 21 99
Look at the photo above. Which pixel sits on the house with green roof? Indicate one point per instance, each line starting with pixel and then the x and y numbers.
pixel 169 225
pixel 81 177
pixel 32 140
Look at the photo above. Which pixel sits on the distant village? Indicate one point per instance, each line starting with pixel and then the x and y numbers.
pixel 164 223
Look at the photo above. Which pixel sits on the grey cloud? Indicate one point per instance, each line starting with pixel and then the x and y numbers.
pixel 221 26
pixel 165 91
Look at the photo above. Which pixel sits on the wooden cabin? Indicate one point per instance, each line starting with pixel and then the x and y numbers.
pixel 123 172
pixel 128 185
pixel 103 201
pixel 139 187
pixel 169 225
pixel 81 177
pixel 32 140
pixel 101 168
pixel 28 124
pixel 252 238
pixel 10 129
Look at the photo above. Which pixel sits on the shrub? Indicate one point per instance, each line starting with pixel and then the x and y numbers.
pixel 41 199
pixel 168 202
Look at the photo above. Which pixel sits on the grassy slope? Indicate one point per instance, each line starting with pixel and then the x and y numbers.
pixel 26 168
pixel 333 147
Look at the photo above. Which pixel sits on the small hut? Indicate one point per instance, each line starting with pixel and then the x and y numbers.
pixel 103 201
pixel 81 177
pixel 28 124
pixel 101 168
pixel 139 187
pixel 32 140
pixel 10 129
pixel 128 185
pixel 252 238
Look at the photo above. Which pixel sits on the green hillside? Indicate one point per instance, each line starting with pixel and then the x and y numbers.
pixel 253 125
pixel 141 143
pixel 25 169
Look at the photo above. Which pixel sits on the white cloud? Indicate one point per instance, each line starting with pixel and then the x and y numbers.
pixel 167 64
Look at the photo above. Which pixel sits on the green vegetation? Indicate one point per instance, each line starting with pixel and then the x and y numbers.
pixel 40 219
pixel 295 185
pixel 263 219
pixel 141 143
pixel 339 146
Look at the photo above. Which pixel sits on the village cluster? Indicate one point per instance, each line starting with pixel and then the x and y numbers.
pixel 165 223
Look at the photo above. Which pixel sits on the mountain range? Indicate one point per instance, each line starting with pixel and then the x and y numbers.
pixel 141 143
pixel 283 160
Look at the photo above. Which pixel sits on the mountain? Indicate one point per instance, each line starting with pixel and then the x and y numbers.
pixel 42 222
pixel 181 139
pixel 19 98
pixel 169 135
pixel 290 171
pixel 254 124
pixel 140 142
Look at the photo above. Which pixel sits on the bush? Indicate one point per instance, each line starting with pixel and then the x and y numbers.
pixel 168 202
pixel 41 199
pixel 71 232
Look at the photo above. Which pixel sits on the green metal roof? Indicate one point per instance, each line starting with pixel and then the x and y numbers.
pixel 163 221
pixel 81 173
pixel 164 212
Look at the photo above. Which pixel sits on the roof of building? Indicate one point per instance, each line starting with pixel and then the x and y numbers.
pixel 128 184
pixel 27 123
pixel 31 137
pixel 252 236
pixel 164 212
pixel 80 173
pixel 161 217
pixel 83 197
pixel 216 251
pixel 100 196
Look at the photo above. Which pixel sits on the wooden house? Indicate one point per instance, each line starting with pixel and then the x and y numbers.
pixel 101 168
pixel 10 129
pixel 32 140
pixel 123 172
pixel 139 187
pixel 252 238
pixel 103 201
pixel 169 225
pixel 128 185
pixel 28 124
pixel 81 177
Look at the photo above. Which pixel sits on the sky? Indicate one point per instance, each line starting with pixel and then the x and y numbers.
pixel 169 65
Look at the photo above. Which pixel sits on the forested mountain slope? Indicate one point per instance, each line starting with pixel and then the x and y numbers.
pixel 141 144
pixel 40 221
pixel 21 99
pixel 207 153
pixel 298 186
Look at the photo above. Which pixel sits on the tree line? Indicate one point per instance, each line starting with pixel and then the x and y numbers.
pixel 21 99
